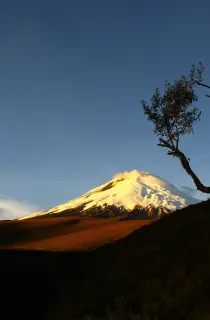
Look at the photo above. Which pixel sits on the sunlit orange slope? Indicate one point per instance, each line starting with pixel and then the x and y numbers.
pixel 62 234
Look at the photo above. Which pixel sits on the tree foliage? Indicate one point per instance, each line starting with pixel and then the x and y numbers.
pixel 173 115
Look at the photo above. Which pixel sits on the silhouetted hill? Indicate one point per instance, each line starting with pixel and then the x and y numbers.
pixel 162 271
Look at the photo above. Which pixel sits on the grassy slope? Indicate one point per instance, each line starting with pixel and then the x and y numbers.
pixel 69 233
pixel 162 271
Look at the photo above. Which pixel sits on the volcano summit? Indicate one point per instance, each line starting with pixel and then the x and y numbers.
pixel 133 195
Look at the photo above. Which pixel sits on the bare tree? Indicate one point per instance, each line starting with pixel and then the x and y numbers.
pixel 173 115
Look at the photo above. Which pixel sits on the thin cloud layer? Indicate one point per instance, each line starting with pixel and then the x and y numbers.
pixel 189 191
pixel 12 209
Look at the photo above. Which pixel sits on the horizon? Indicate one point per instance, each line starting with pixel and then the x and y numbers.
pixel 72 76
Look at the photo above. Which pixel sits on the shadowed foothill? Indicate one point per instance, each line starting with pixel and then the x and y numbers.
pixel 160 269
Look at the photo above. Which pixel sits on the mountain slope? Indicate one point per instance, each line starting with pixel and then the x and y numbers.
pixel 129 192
pixel 161 271
pixel 64 234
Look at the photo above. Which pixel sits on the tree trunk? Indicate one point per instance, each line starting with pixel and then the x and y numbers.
pixel 186 166
pixel 175 152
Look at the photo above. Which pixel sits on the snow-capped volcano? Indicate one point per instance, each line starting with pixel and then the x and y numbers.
pixel 127 192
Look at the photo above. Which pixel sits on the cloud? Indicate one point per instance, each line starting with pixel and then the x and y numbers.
pixel 12 209
pixel 125 174
pixel 189 191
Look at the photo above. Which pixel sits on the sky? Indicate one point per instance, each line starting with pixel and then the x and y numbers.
pixel 72 75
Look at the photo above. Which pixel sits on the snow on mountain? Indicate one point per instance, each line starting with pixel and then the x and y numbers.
pixel 127 190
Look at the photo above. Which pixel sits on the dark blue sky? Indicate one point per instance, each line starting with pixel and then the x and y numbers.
pixel 72 74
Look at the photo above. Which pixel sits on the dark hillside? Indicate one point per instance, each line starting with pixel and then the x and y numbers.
pixel 162 271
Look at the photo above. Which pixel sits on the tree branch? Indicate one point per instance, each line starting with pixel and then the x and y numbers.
pixel 165 144
pixel 177 138
pixel 175 152
pixel 203 85
pixel 166 119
